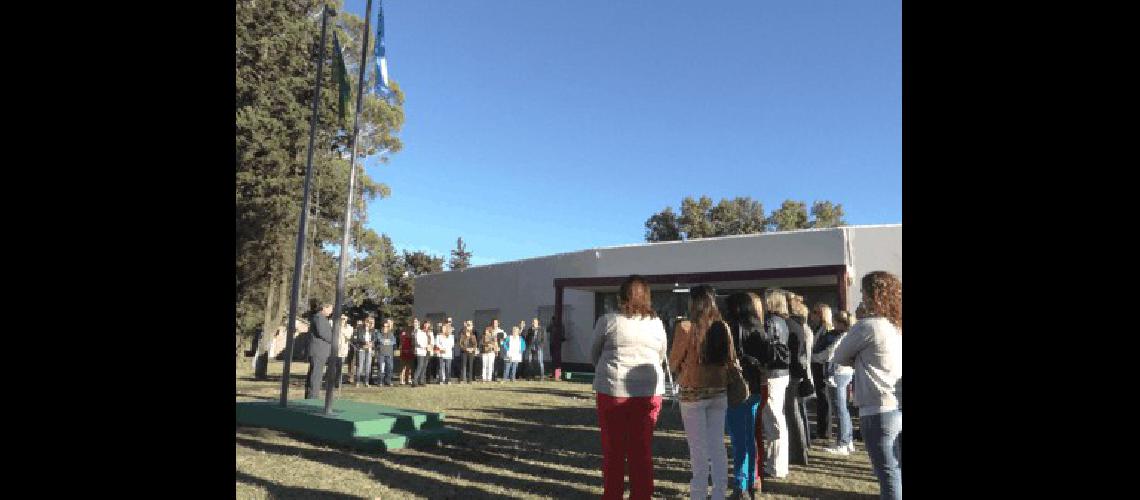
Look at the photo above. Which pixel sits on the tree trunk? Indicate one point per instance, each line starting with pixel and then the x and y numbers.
pixel 282 306
pixel 261 357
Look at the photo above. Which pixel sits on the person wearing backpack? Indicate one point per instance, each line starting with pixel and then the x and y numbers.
pixel 775 423
pixel 744 314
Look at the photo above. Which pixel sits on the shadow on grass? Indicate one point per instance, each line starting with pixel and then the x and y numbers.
pixel 257 396
pixel 433 469
pixel 806 491
pixel 542 450
pixel 281 491
pixel 552 391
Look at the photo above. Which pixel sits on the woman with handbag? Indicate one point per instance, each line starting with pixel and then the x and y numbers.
pixel 774 418
pixel 703 355
pixel 744 313
pixel 627 352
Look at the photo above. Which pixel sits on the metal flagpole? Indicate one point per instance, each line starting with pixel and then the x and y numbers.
pixel 347 215
pixel 300 253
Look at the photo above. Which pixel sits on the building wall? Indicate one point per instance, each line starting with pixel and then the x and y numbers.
pixel 518 289
pixel 872 248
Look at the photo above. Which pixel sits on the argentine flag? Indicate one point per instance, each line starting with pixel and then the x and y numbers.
pixel 381 88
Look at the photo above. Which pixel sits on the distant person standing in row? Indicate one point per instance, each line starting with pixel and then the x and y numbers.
pixel 342 348
pixel 490 348
pixel 469 350
pixel 535 342
pixel 874 348
pixel 423 345
pixel 445 345
pixel 385 348
pixel 408 353
pixel 362 342
pixel 512 348
pixel 320 349
pixel 500 336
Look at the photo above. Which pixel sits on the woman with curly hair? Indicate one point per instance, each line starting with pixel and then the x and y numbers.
pixel 874 348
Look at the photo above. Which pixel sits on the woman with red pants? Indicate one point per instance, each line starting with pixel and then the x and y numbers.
pixel 628 349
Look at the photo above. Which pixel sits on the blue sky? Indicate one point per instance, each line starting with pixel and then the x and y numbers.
pixel 540 127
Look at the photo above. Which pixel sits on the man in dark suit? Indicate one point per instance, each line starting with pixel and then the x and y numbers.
pixel 320 347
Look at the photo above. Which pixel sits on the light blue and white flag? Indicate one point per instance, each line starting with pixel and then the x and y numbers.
pixel 381 88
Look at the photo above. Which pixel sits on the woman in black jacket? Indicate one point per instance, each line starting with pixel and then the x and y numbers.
pixel 800 366
pixel 744 313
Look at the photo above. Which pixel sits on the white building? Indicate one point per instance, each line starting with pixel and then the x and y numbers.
pixel 821 264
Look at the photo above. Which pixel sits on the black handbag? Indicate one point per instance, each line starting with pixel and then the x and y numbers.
pixel 805 389
pixel 737 387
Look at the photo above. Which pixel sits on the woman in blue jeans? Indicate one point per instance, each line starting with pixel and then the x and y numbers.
pixel 839 378
pixel 874 348
pixel 744 313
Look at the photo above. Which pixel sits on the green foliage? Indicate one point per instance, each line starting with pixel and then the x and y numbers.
pixel 460 257
pixel 701 219
pixel 741 215
pixel 827 214
pixel 663 226
pixel 696 220
pixel 277 44
pixel 401 273
pixel 790 216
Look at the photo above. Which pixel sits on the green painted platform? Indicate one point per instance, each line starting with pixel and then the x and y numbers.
pixel 584 377
pixel 360 425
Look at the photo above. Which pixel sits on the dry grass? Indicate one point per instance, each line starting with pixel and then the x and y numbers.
pixel 521 440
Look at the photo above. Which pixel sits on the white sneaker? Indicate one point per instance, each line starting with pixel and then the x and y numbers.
pixel 838 450
pixel 851 447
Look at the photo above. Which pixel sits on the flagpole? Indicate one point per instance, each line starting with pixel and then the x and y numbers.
pixel 347 214
pixel 298 260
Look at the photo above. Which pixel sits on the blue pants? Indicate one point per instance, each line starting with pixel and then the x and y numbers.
pixel 740 420
pixel 363 365
pixel 510 369
pixel 386 365
pixel 839 401
pixel 882 433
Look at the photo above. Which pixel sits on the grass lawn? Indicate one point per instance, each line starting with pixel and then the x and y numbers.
pixel 521 439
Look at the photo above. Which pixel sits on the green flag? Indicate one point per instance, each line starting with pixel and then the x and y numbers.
pixel 340 76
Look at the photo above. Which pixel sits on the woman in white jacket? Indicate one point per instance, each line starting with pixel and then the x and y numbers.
pixel 874 348
pixel 444 343
pixel 423 343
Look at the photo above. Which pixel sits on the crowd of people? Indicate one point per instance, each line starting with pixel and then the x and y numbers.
pixel 424 354
pixel 771 354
